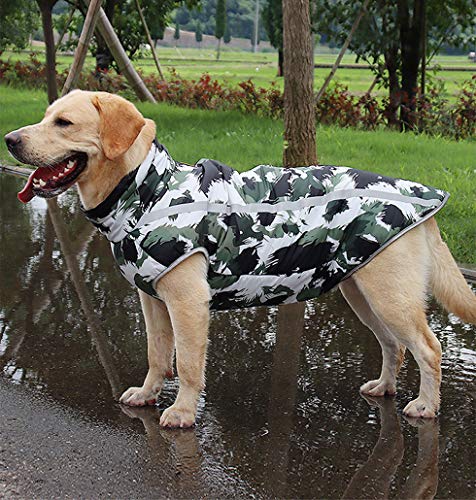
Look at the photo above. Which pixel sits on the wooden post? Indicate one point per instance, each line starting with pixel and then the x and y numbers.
pixel 149 39
pixel 82 48
pixel 343 49
pixel 372 85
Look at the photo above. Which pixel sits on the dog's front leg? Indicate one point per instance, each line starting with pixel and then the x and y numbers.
pixel 160 352
pixel 186 292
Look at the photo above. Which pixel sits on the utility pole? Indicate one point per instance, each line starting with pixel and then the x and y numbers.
pixel 256 27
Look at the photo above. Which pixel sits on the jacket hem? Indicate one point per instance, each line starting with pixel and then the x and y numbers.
pixel 176 262
pixel 398 235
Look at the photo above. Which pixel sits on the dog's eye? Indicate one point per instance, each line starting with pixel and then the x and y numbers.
pixel 61 122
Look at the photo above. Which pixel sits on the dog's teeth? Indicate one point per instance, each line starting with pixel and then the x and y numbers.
pixel 61 174
pixel 36 182
pixel 55 178
pixel 42 183
pixel 70 164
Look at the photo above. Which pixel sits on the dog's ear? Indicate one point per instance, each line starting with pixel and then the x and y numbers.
pixel 119 126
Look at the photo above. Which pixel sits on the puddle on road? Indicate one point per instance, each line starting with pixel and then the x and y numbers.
pixel 276 420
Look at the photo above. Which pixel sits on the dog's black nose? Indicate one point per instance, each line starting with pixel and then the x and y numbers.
pixel 13 139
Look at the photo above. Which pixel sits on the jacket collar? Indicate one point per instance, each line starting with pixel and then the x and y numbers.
pixel 110 216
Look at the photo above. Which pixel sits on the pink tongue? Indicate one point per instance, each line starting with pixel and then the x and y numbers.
pixel 26 194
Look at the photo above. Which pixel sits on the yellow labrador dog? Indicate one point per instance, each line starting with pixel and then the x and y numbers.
pixel 95 140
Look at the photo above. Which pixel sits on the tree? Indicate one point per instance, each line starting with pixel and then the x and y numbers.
pixel 390 39
pixel 46 7
pixel 299 150
pixel 299 109
pixel 149 39
pixel 69 25
pixel 272 17
pixel 220 23
pixel 17 21
pixel 410 25
pixel 375 41
pixel 125 19
pixel 240 17
pixel 227 34
pixel 157 32
pixel 177 33
pixel 343 49
pixel 199 34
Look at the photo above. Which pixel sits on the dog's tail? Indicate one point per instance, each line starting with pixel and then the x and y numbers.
pixel 448 284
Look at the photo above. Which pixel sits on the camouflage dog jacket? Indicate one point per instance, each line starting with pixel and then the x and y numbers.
pixel 271 235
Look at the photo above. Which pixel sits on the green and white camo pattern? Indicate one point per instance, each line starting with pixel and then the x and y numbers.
pixel 271 235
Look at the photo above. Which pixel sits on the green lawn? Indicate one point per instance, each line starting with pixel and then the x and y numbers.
pixel 236 66
pixel 243 141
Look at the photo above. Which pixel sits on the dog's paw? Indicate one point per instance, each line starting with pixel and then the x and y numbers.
pixel 137 396
pixel 419 409
pixel 177 417
pixel 378 388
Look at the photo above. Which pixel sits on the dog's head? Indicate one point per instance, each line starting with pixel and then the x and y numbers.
pixel 78 135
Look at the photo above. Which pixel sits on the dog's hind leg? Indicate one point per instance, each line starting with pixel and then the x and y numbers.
pixel 395 285
pixel 393 352
pixel 160 352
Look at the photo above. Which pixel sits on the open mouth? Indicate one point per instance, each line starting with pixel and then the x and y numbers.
pixel 51 181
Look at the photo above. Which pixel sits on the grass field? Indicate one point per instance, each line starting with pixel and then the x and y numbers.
pixel 243 141
pixel 236 66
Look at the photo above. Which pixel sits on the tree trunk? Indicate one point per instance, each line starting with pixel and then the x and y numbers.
pixel 423 35
pixel 391 64
pixel 47 21
pixel 343 49
pixel 83 44
pixel 280 62
pixel 104 57
pixel 299 111
pixel 410 45
pixel 218 49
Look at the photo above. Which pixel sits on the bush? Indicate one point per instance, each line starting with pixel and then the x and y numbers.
pixel 435 115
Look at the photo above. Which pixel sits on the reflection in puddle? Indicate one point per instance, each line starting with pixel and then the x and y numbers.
pixel 373 479
pixel 281 416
